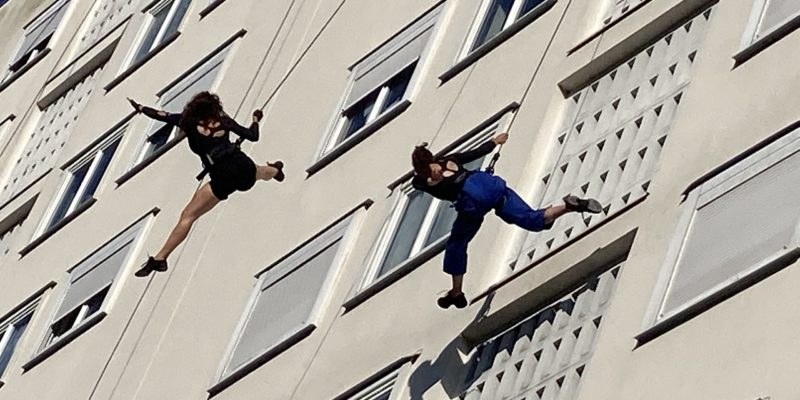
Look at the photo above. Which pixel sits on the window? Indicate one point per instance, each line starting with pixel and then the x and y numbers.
pixel 381 82
pixel 420 223
pixel 618 8
pixel 739 222
pixel 37 36
pixel 162 22
pixel 497 16
pixel 12 330
pixel 90 283
pixel 106 15
pixel 3 2
pixel 772 14
pixel 611 136
pixel 173 99
pixel 43 146
pixel 82 180
pixel 545 356
pixel 10 228
pixel 386 384
pixel 287 303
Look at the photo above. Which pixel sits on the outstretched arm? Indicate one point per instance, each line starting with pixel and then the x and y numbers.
pixel 251 133
pixel 163 116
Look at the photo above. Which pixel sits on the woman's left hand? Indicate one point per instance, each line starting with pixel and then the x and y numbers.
pixel 257 115
pixel 501 138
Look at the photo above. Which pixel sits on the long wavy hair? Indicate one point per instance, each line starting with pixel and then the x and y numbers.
pixel 203 106
pixel 421 159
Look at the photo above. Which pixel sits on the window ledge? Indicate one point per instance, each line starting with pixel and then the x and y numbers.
pixel 768 40
pixel 396 274
pixel 267 355
pixel 149 160
pixel 497 40
pixel 138 64
pixel 24 69
pixel 57 227
pixel 358 137
pixel 606 27
pixel 516 274
pixel 211 7
pixel 52 348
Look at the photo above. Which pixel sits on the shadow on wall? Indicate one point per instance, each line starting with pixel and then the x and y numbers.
pixel 448 367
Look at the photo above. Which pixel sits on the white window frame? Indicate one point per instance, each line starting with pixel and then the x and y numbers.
pixel 751 35
pixel 513 19
pixel 430 20
pixel 93 158
pixel 402 194
pixel 50 343
pixel 346 229
pixel 707 192
pixel 392 380
pixel 7 328
pixel 130 59
pixel 7 73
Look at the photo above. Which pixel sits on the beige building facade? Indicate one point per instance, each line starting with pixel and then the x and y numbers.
pixel 676 114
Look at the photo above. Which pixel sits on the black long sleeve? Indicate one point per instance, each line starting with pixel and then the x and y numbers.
pixel 474 154
pixel 163 116
pixel 251 133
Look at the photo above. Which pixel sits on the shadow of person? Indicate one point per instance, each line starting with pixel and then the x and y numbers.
pixel 451 368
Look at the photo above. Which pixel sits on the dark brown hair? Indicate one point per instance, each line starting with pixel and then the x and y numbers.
pixel 420 159
pixel 202 106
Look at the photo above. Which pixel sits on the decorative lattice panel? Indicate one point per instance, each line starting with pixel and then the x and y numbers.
pixel 105 16
pixel 618 8
pixel 544 357
pixel 612 135
pixel 49 136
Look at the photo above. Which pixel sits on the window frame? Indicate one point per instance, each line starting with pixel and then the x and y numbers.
pixel 8 74
pixel 92 157
pixel 393 377
pixel 344 231
pixel 751 43
pixel 657 320
pixel 161 37
pixel 7 328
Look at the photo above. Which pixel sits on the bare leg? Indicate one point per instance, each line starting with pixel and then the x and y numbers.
pixel 265 172
pixel 458 280
pixel 552 213
pixel 202 202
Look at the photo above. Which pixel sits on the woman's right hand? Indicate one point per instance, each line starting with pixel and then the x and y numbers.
pixel 136 106
pixel 501 139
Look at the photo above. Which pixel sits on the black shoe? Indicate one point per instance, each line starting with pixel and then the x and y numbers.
pixel 460 301
pixel 575 203
pixel 151 265
pixel 280 176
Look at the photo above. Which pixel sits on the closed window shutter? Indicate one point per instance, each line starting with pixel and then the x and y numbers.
pixel 391 58
pixel 41 30
pixel 775 14
pixel 287 296
pixel 97 271
pixel 736 231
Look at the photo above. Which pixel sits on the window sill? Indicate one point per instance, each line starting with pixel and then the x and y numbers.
pixel 606 27
pixel 267 355
pixel 496 41
pixel 211 7
pixel 768 40
pixel 11 79
pixel 57 227
pixel 741 283
pixel 149 160
pixel 138 64
pixel 52 348
pixel 358 137
pixel 396 274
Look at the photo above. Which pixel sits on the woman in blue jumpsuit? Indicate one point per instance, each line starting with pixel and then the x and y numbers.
pixel 475 193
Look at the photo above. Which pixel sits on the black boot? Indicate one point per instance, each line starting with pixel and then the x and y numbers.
pixel 459 300
pixel 575 203
pixel 280 176
pixel 151 265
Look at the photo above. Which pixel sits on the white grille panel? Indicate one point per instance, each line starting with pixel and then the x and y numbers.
pixel 105 16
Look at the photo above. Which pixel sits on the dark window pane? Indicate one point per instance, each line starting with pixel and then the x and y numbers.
pixel 152 31
pixel 407 231
pixel 95 302
pixel 493 23
pixel 357 115
pixel 16 335
pixel 398 86
pixel 69 194
pixel 158 139
pixel 102 165
pixel 175 22
pixel 528 6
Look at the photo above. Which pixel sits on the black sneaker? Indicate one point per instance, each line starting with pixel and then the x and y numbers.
pixel 575 203
pixel 280 176
pixel 460 301
pixel 151 265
